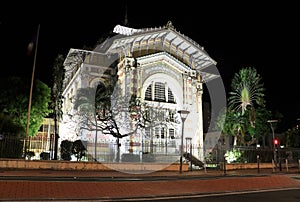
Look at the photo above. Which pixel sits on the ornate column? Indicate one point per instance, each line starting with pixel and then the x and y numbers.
pixel 199 92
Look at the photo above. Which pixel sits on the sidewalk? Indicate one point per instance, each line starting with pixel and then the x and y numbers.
pixel 104 185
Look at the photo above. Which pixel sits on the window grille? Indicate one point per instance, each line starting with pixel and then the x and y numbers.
pixel 172 133
pixel 170 96
pixel 162 133
pixel 157 132
pixel 171 116
pixel 148 94
pixel 147 132
pixel 160 92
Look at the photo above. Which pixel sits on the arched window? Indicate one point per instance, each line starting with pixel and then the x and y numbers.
pixel 159 94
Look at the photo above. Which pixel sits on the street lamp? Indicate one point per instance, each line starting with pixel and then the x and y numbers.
pixel 273 139
pixel 183 115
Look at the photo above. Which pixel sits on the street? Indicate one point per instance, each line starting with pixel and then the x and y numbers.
pixel 276 195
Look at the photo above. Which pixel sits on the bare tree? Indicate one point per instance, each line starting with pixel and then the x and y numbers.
pixel 105 109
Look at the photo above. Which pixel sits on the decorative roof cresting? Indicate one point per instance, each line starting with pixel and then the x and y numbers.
pixel 119 29
pixel 169 25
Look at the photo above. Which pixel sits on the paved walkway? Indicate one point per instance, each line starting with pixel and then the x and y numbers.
pixel 105 185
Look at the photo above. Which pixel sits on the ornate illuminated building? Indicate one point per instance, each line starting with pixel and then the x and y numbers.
pixel 160 67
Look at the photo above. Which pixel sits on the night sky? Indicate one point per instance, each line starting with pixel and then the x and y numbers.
pixel 263 36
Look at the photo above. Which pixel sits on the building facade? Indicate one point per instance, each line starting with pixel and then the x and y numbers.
pixel 157 68
pixel 43 142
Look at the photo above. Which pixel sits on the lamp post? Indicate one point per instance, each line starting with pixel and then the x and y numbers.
pixel 273 138
pixel 183 115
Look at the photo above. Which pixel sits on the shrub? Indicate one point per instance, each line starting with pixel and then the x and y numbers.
pixel 148 157
pixel 78 149
pixel 233 156
pixel 66 150
pixel 130 157
pixel 45 156
pixel 11 147
pixel 30 154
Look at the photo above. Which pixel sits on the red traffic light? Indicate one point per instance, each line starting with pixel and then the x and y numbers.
pixel 276 141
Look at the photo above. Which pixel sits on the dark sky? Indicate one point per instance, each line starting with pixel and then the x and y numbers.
pixel 235 35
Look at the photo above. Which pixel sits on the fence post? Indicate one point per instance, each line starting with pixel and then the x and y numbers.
pixel 225 164
pixel 257 163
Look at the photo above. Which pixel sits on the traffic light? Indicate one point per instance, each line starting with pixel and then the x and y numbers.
pixel 276 142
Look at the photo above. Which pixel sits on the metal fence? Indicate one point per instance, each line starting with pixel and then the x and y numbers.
pixel 109 152
pixel 251 154
pixel 13 148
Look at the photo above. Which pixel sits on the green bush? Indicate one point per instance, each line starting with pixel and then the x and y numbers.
pixel 78 149
pixel 130 157
pixel 11 148
pixel 234 156
pixel 45 156
pixel 148 157
pixel 66 150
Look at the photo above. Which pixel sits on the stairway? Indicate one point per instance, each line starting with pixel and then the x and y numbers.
pixel 193 159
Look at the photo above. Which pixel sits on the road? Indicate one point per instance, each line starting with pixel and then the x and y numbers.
pixel 112 186
pixel 275 195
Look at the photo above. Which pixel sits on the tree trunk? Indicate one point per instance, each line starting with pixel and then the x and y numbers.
pixel 118 150
pixel 56 136
pixel 96 139
pixel 235 140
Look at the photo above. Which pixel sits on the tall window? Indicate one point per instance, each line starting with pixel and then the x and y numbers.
pixel 157 132
pixel 147 132
pixel 172 133
pixel 163 131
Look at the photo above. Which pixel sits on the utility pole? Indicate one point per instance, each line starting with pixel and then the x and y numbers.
pixel 273 140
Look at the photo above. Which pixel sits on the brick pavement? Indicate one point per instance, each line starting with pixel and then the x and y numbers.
pixel 190 183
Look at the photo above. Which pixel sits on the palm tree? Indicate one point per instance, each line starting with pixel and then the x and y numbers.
pixel 232 123
pixel 247 90
pixel 247 94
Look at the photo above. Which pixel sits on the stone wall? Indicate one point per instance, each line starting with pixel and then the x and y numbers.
pixel 96 166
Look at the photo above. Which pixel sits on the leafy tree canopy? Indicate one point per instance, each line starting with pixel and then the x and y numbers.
pixel 291 138
pixel 14 99
pixel 247 90
pixel 7 126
